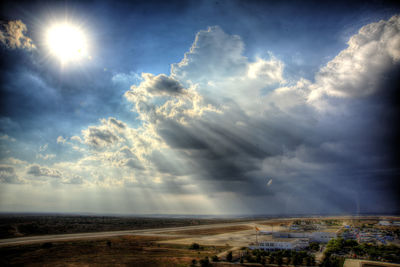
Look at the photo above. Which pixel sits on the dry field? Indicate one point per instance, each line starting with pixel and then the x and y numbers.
pixel 119 251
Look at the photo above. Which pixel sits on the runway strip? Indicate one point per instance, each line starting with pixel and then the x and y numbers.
pixel 147 232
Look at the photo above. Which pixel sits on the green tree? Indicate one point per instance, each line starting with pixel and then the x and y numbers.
pixel 314 246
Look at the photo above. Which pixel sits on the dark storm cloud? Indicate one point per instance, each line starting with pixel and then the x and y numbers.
pixel 165 164
pixel 181 137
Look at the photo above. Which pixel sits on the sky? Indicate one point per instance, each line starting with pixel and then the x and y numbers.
pixel 200 107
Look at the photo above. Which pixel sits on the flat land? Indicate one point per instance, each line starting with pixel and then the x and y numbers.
pixel 143 245
pixel 33 225
pixel 146 247
pixel 120 251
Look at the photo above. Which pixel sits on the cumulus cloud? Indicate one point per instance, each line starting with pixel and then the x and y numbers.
pixel 61 140
pixel 214 55
pixel 8 175
pixel 360 69
pixel 220 123
pixel 13 35
pixel 99 136
pixel 160 84
pixel 218 68
pixel 38 171
pixel 114 123
pixel 160 97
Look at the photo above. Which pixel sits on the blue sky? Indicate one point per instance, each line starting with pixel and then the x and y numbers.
pixel 212 107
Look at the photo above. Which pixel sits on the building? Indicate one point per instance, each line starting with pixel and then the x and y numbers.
pixel 282 244
pixel 385 223
pixel 321 237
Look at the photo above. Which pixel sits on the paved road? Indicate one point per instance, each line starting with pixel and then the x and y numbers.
pixel 147 232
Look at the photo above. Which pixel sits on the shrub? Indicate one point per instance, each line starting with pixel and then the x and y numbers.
pixel 205 262
pixel 229 256
pixel 47 245
pixel 194 246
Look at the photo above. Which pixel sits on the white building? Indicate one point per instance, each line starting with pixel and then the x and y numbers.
pixel 282 244
pixel 322 237
pixel 385 223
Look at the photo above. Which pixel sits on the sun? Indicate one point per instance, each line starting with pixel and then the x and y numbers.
pixel 67 42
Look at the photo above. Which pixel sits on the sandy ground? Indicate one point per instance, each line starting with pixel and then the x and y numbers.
pixel 235 239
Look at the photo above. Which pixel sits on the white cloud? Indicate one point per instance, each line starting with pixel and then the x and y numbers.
pixel 218 68
pixel 43 148
pixel 38 171
pixel 8 175
pixel 359 69
pixel 12 35
pixel 99 136
pixel 214 55
pixel 61 140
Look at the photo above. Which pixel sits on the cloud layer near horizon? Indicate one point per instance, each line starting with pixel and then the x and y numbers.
pixel 221 126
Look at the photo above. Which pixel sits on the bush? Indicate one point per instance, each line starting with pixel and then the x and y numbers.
pixel 205 262
pixel 229 256
pixel 314 246
pixel 194 246
pixel 47 245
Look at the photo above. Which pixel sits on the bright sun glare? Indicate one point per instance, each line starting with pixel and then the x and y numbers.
pixel 67 42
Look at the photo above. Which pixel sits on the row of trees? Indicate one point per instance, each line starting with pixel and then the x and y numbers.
pixel 337 249
pixel 280 257
pixel 341 247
